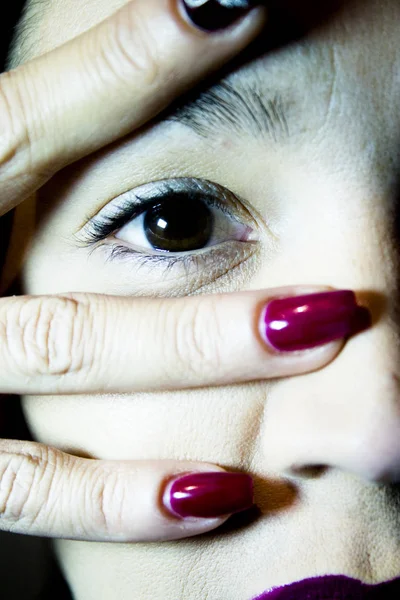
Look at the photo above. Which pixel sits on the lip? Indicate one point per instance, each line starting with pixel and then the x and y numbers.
pixel 334 587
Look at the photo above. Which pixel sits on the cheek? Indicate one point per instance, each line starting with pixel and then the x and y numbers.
pixel 213 425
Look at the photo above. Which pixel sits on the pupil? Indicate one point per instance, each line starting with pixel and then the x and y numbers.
pixel 179 224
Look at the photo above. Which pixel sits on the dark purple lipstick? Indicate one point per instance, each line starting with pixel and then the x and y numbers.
pixel 334 587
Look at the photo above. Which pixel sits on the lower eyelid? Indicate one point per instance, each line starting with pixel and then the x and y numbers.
pixel 227 267
pixel 226 257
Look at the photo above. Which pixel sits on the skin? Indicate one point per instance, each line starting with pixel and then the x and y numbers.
pixel 323 201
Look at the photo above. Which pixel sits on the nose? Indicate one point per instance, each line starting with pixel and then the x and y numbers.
pixel 345 417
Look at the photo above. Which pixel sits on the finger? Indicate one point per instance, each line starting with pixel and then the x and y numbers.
pixel 88 343
pixel 100 86
pixel 45 492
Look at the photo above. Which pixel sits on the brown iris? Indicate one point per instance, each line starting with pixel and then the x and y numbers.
pixel 179 224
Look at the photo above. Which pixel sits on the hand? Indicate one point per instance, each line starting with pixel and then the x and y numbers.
pixel 54 111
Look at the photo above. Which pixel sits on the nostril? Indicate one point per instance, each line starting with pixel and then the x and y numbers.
pixel 308 471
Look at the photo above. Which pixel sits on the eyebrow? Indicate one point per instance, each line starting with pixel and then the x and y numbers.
pixel 240 107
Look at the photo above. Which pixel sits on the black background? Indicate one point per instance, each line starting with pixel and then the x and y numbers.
pixel 8 19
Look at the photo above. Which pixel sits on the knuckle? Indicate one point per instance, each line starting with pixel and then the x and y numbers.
pixel 45 335
pixel 107 501
pixel 14 135
pixel 133 48
pixel 23 156
pixel 25 482
pixel 198 339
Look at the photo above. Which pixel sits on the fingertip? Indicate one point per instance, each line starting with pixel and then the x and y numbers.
pixel 216 17
pixel 208 495
pixel 301 323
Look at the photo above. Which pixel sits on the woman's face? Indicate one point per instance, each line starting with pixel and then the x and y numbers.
pixel 311 161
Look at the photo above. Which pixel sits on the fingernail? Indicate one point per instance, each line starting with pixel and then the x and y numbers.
pixel 209 495
pixel 212 15
pixel 304 322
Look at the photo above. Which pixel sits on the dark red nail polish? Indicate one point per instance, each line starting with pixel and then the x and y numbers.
pixel 210 495
pixel 303 322
pixel 212 15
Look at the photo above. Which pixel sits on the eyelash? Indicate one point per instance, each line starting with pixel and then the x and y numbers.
pixel 167 262
pixel 132 206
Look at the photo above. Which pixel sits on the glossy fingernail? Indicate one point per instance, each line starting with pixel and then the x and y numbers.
pixel 209 495
pixel 212 15
pixel 304 322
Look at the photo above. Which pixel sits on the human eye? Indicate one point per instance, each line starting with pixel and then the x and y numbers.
pixel 173 224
